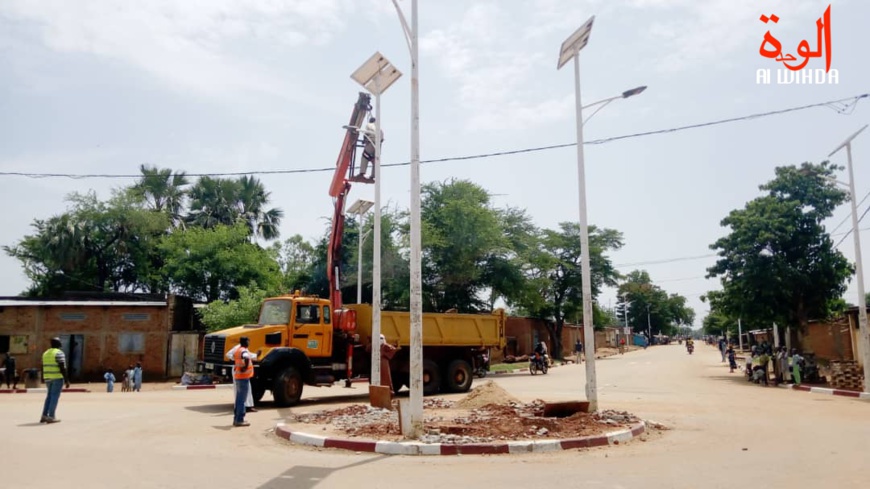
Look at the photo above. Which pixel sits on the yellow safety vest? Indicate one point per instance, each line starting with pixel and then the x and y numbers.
pixel 50 368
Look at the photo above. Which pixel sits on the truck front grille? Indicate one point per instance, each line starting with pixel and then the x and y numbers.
pixel 214 348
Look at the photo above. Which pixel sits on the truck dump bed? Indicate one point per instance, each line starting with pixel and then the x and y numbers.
pixel 439 329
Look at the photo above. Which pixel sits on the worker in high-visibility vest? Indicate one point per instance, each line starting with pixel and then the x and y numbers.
pixel 243 370
pixel 55 377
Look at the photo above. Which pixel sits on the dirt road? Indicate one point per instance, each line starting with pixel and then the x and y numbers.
pixel 725 433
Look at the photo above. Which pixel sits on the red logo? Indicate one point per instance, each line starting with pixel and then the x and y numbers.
pixel 772 48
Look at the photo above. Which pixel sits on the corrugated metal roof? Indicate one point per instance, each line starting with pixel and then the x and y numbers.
pixel 13 303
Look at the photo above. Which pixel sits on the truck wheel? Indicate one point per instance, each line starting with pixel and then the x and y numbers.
pixel 287 388
pixel 257 391
pixel 459 376
pixel 431 378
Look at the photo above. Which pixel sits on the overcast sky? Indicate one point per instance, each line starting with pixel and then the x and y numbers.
pixel 95 86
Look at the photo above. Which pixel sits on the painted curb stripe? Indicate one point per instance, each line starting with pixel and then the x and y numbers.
pixel 416 448
pixel 354 445
pixel 827 391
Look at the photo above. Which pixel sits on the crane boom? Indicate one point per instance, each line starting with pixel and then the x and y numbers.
pixel 338 190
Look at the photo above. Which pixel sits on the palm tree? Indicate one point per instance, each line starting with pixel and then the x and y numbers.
pixel 252 199
pixel 163 191
pixel 214 201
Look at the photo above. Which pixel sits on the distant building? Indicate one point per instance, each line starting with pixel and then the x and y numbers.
pixel 101 331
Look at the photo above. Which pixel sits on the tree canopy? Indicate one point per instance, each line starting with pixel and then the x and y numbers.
pixel 778 262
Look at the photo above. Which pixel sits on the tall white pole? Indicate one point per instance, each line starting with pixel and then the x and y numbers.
pixel 859 272
pixel 740 333
pixel 416 354
pixel 586 274
pixel 376 253
pixel 359 262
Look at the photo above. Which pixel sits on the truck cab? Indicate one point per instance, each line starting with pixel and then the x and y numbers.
pixel 296 342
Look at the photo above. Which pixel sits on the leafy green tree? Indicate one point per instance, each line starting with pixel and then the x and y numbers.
pixel 210 264
pixel 778 263
pixel 651 308
pixel 245 309
pixel 554 283
pixel 95 245
pixel 465 251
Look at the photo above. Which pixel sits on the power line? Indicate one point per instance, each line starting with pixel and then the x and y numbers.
pixel 850 215
pixel 850 231
pixel 846 106
pixel 659 262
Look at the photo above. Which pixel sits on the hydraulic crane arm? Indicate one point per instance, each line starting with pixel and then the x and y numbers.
pixel 338 190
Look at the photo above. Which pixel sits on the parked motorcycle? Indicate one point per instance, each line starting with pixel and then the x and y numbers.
pixel 481 364
pixel 538 363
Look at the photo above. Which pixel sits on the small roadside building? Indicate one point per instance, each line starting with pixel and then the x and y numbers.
pixel 101 331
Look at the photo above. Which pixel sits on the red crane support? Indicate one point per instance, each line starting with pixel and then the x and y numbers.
pixel 338 190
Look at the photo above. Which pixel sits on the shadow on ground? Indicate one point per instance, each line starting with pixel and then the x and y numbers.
pixel 306 477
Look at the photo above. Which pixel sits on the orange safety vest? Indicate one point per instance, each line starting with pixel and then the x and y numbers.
pixel 240 372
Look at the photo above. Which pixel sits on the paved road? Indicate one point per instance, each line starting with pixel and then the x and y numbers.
pixel 726 433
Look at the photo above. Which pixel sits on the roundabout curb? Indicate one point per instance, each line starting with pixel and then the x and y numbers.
pixel 417 448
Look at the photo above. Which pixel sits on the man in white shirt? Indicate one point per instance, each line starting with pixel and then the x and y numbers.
pixel 368 155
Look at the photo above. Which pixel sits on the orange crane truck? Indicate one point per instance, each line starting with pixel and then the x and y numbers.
pixel 304 339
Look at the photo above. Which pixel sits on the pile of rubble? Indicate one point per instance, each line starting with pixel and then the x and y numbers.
pixel 847 375
pixel 486 414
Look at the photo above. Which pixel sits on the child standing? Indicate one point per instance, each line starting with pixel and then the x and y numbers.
pixel 732 359
pixel 110 380
pixel 128 375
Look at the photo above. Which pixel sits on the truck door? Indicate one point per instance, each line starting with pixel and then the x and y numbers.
pixel 309 333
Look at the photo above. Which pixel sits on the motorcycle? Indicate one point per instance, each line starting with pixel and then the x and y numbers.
pixel 481 364
pixel 538 363
pixel 690 348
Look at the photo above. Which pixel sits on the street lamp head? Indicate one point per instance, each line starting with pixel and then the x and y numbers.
pixel 633 92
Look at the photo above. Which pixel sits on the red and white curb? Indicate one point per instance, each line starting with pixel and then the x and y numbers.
pixel 40 390
pixel 201 387
pixel 830 392
pixel 417 448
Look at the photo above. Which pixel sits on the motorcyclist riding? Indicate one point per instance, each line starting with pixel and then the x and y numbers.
pixel 541 349
pixel 690 345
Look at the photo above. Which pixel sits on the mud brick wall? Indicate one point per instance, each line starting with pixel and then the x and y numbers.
pixel 111 336
pixel 847 375
pixel 829 341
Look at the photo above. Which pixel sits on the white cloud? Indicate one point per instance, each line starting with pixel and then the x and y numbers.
pixel 194 45
pixel 483 55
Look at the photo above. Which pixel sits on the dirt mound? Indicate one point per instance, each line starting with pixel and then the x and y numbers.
pixel 488 393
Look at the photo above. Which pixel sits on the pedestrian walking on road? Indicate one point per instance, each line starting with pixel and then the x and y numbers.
pixel 54 375
pixel 723 346
pixel 110 380
pixel 249 399
pixel 243 371
pixel 137 377
pixel 622 345
pixel 732 359
pixel 578 349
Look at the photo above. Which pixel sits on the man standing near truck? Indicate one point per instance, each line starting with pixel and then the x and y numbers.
pixel 243 370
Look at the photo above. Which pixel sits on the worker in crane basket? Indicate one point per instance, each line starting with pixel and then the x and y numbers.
pixel 368 155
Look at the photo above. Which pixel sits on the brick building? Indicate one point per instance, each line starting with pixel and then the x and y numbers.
pixel 104 331
pixel 523 333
